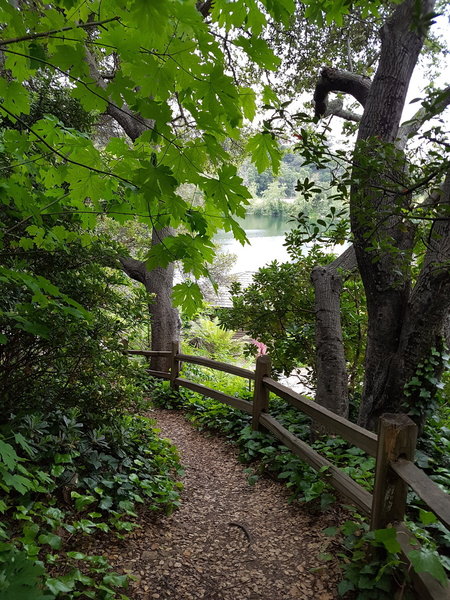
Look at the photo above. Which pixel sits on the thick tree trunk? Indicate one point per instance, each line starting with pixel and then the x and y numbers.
pixel 332 377
pixel 164 318
pixel 423 333
pixel 406 326
pixel 383 239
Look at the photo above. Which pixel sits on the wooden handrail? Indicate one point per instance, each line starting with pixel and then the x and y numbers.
pixel 243 405
pixel 161 374
pixel 366 440
pixel 148 352
pixel 217 365
pixel 392 448
pixel 435 498
pixel 338 479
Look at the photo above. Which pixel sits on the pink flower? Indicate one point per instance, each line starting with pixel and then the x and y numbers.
pixel 262 348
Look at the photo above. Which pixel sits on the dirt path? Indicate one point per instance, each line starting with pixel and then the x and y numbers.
pixel 229 541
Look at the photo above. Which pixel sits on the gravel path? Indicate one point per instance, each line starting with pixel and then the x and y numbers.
pixel 229 541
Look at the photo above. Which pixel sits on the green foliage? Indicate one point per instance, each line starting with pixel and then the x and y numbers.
pixel 427 385
pixel 62 477
pixel 73 462
pixel 265 152
pixel 267 455
pixel 367 571
pixel 53 87
pixel 371 564
pixel 212 340
pixel 270 193
pixel 277 308
pixel 54 352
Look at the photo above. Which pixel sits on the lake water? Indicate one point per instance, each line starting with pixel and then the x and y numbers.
pixel 266 236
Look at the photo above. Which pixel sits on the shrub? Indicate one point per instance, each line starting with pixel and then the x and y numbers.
pixel 62 477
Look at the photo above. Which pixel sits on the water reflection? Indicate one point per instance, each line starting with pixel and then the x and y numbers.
pixel 266 237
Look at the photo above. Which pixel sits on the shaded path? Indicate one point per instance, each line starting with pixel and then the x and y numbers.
pixel 229 541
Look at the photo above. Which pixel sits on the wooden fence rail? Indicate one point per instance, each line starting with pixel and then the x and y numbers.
pixel 393 447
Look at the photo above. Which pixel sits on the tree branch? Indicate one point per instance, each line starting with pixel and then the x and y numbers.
pixel 63 156
pixel 411 127
pixel 345 261
pixel 401 43
pixel 134 268
pixel 133 125
pixel 336 80
pixel 204 7
pixel 336 108
pixel 34 36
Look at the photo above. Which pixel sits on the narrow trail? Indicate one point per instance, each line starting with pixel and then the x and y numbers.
pixel 229 540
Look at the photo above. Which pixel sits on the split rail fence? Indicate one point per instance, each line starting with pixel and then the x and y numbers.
pixel 393 449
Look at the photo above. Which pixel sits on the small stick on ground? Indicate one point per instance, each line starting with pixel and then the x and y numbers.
pixel 244 529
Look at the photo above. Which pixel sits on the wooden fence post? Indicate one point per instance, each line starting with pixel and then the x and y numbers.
pixel 174 364
pixel 260 393
pixel 397 437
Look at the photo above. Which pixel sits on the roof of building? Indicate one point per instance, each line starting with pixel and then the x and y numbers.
pixel 222 298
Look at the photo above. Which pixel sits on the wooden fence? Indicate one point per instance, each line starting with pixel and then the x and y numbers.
pixel 393 449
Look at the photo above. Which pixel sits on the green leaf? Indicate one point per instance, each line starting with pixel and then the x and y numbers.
pixel 227 191
pixel 56 585
pixel 388 537
pixel 196 221
pixel 53 540
pixel 248 101
pixel 281 10
pixel 188 296
pixel 82 501
pixel 91 97
pixel 18 482
pixel 259 51
pixel 76 555
pixel 426 517
pixel 265 152
pixel 115 580
pixel 269 97
pixel 15 98
pixel 345 586
pixel 427 561
pixel 8 455
pixel 105 503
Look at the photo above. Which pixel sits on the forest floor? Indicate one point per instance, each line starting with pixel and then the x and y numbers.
pixel 229 540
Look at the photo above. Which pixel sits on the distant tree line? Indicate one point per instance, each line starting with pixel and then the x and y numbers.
pixel 278 195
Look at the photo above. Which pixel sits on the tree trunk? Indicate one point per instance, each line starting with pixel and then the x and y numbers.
pixel 383 239
pixel 332 377
pixel 406 325
pixel 164 318
pixel 423 332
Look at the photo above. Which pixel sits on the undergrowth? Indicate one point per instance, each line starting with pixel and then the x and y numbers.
pixel 267 455
pixel 369 560
pixel 63 478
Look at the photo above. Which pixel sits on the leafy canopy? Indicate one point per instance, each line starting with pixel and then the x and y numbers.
pixel 169 76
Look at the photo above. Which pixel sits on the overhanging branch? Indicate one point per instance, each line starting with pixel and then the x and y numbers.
pixel 36 35
pixel 336 80
pixel 336 108
pixel 134 268
pixel 411 127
